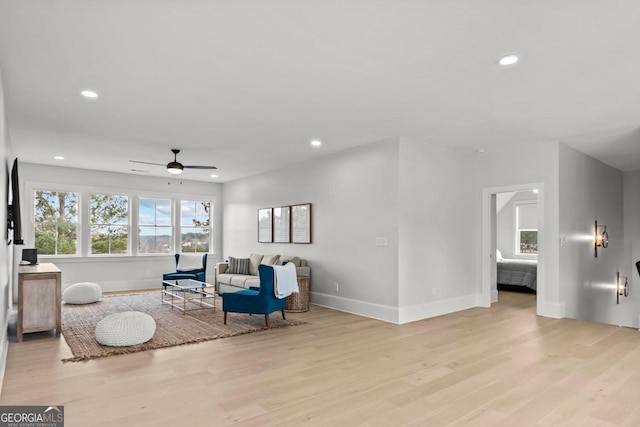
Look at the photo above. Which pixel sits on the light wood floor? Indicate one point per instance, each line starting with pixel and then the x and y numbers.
pixel 501 366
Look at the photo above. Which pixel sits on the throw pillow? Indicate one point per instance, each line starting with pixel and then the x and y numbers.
pixel 270 259
pixel 254 262
pixel 238 265
pixel 293 259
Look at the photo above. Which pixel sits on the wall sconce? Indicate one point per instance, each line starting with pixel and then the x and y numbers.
pixel 621 288
pixel 601 237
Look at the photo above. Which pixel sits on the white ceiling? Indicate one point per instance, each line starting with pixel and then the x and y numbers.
pixel 245 84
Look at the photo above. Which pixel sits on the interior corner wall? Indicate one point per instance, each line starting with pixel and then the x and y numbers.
pixel 354 197
pixel 514 165
pixel 631 209
pixel 438 230
pixel 118 273
pixel 6 251
pixel 591 190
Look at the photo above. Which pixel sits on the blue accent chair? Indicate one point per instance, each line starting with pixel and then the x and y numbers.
pixel 261 301
pixel 199 274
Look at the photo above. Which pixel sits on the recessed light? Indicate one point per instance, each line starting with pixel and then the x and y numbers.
pixel 510 59
pixel 480 150
pixel 59 157
pixel 89 94
pixel 536 191
pixel 214 176
pixel 316 142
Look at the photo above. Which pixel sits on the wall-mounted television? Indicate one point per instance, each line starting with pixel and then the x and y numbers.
pixel 14 219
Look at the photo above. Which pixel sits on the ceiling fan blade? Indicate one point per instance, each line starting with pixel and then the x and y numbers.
pixel 147 163
pixel 199 167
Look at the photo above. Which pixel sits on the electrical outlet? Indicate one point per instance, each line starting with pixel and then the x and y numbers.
pixel 335 287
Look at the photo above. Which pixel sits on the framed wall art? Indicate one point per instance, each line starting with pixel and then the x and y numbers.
pixel 301 223
pixel 282 224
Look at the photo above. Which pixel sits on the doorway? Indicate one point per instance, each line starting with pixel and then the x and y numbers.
pixel 489 294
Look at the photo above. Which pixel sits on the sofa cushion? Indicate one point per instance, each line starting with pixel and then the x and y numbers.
pixel 270 260
pixel 254 262
pixel 238 265
pixel 244 281
pixel 288 258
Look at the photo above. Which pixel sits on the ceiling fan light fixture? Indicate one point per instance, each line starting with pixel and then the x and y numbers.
pixel 175 168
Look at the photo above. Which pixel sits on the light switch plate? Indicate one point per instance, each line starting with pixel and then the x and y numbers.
pixel 382 241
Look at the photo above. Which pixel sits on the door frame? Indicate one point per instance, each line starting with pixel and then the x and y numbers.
pixel 488 263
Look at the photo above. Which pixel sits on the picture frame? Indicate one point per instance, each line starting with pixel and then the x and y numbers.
pixel 265 225
pixel 282 224
pixel 301 223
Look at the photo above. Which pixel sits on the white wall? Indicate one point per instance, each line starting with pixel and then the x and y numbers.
pixel 514 166
pixel 6 252
pixel 591 190
pixel 420 196
pixel 438 230
pixel 354 197
pixel 631 208
pixel 118 273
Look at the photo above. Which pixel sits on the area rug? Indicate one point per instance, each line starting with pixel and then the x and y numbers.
pixel 172 327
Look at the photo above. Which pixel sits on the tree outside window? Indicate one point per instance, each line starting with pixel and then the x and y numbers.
pixel 56 222
pixel 195 226
pixel 155 231
pixel 528 241
pixel 109 224
pixel 526 229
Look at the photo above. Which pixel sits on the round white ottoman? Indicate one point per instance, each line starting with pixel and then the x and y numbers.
pixel 82 293
pixel 125 329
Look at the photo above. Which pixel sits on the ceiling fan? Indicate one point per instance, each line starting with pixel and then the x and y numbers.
pixel 175 167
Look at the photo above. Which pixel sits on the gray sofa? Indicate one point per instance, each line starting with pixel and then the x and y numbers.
pixel 231 282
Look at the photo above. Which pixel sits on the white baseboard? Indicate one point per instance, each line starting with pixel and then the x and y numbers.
pixel 437 308
pixel 554 309
pixel 361 308
pixel 393 314
pixel 4 340
pixel 128 285
pixel 494 296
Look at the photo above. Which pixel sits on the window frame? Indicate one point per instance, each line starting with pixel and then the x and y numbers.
pixel 517 230
pixel 139 225
pixel 31 190
pixel 90 224
pixel 180 225
pixel 83 245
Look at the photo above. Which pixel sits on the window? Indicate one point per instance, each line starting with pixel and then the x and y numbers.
pixel 195 226
pixel 56 222
pixel 155 231
pixel 109 224
pixel 526 229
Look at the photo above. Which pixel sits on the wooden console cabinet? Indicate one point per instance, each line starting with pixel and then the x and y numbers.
pixel 38 299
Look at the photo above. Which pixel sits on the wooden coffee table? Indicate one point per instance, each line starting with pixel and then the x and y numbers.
pixel 188 294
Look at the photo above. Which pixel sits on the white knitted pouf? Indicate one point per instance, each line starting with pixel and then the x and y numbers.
pixel 126 328
pixel 82 293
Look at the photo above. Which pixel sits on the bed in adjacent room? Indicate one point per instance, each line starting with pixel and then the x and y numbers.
pixel 517 274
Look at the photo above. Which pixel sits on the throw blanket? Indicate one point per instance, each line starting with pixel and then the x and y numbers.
pixel 285 281
pixel 188 262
